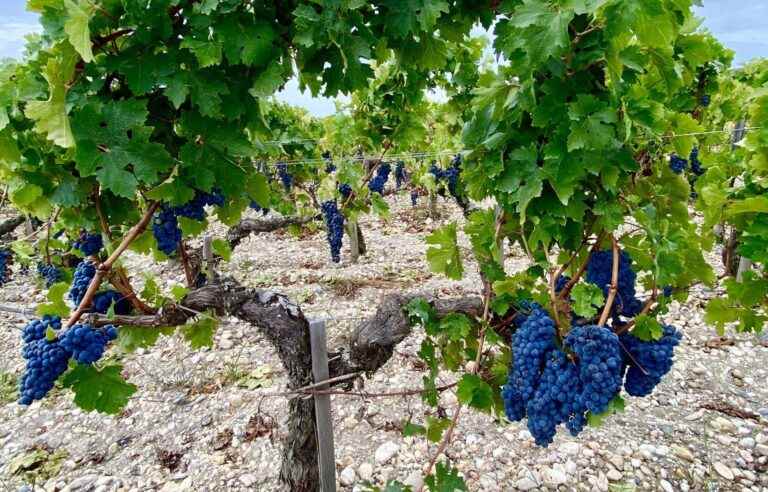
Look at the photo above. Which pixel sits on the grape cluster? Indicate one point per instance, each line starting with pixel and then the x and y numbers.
pixel 400 177
pixel 705 100
pixel 600 360
pixel 83 275
pixel 649 361
pixel 696 167
pixel 255 206
pixel 195 208
pixel 37 328
pixel 599 272
pixel 329 165
pixel 86 343
pixel 558 399
pixel 5 265
pixel 334 223
pixel 103 300
pixel 165 228
pixel 284 175
pixel 49 273
pixel 677 164
pixel 345 190
pixel 530 345
pixel 89 244
pixel 46 361
pixel 561 282
pixel 414 197
pixel 382 175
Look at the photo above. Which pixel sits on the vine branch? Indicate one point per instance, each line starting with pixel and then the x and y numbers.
pixel 614 282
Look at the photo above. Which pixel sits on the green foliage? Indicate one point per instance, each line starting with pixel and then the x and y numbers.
pixel 199 333
pixel 9 388
pixel 56 306
pixel 103 390
pixel 445 479
pixel 587 298
pixel 444 255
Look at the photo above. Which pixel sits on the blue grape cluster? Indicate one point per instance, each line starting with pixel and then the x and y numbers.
pixel 5 265
pixel 83 275
pixel 195 208
pixel 677 164
pixel 284 175
pixel 435 171
pixel 600 361
pixel 86 343
pixel 329 165
pixel 382 175
pixel 530 345
pixel 561 282
pixel 414 197
pixel 46 361
pixel 37 328
pixel 49 273
pixel 667 291
pixel 334 223
pixel 599 272
pixel 705 100
pixel 255 206
pixel 103 300
pixel 89 244
pixel 165 228
pixel 696 167
pixel 654 357
pixel 345 190
pixel 400 177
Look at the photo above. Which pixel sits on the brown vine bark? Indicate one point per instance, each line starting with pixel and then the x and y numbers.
pixel 246 227
pixel 9 225
pixel 284 325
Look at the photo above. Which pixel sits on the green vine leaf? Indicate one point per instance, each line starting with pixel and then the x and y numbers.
pixel 200 333
pixel 57 306
pixel 76 26
pixel 103 390
pixel 475 392
pixel 444 255
pixel 587 298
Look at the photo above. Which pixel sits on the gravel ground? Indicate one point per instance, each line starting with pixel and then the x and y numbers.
pixel 201 420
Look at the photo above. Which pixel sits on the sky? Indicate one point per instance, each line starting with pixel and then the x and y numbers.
pixel 740 25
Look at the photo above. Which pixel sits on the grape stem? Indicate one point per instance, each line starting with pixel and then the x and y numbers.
pixel 106 266
pixel 185 264
pixel 614 281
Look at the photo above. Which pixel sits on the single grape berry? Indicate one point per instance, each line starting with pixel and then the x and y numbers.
pixel 334 223
pixel 89 244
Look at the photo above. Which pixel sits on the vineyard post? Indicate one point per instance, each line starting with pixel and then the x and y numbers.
pixel 354 243
pixel 324 425
pixel 745 264
pixel 433 205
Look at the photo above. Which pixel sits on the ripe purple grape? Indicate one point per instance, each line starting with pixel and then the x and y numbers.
pixel 89 244
pixel 677 164
pixel 334 223
pixel 599 361
pixel 382 175
pixel 103 300
pixel 6 257
pixel 655 359
pixel 82 279
pixel 86 343
pixel 49 273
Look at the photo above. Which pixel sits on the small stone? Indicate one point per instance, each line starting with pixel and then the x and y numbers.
pixel 415 480
pixel 695 415
pixel 247 479
pixel 761 449
pixel 84 482
pixel 666 486
pixel 616 461
pixel 386 452
pixel 682 452
pixel 553 477
pixel 723 425
pixel 347 476
pixel 365 471
pixel 526 483
pixel 723 470
pixel 613 475
pixel 747 442
pixel 571 448
pixel 647 450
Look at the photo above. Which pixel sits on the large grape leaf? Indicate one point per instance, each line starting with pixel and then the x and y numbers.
pixel 103 390
pixel 50 116
pixel 76 26
pixel 443 254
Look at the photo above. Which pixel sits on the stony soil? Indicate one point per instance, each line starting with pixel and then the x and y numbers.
pixel 204 420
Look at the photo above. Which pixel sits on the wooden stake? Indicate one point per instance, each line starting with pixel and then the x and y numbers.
pixel 326 456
